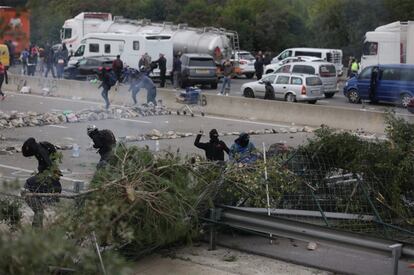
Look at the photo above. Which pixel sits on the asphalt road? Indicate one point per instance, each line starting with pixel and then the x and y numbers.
pixel 338 100
pixel 12 166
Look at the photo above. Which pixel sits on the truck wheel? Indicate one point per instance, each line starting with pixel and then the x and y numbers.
pixel 353 96
pixel 290 97
pixel 248 92
pixel 183 84
pixel 249 75
pixel 329 95
pixel 405 99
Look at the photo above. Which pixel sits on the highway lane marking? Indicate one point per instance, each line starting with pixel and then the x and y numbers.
pixel 58 126
pixel 248 121
pixel 136 120
pixel 31 171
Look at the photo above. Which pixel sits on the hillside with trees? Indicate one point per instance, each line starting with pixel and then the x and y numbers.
pixel 269 25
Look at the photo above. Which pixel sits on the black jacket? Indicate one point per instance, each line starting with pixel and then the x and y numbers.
pixel 104 141
pixel 214 149
pixel 162 63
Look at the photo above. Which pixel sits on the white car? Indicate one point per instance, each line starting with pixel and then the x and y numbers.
pixel 246 62
pixel 276 64
pixel 286 86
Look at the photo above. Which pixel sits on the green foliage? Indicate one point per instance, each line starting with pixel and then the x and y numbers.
pixel 386 166
pixel 10 211
pixel 33 252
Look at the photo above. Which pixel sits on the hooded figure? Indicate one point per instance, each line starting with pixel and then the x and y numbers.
pixel 215 148
pixel 104 141
pixel 47 178
pixel 243 151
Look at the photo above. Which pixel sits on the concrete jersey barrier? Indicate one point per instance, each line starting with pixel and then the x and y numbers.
pixel 238 107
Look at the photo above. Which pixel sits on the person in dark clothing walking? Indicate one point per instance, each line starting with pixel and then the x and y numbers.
pixel 117 67
pixel 215 148
pixel 104 141
pixel 50 61
pixel 47 178
pixel 162 65
pixel 258 66
pixel 106 85
pixel 373 85
pixel 176 71
pixel 3 77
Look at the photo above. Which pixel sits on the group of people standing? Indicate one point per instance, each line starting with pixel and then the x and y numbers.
pixel 44 60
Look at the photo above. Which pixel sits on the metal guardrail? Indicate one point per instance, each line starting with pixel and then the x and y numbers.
pixel 243 219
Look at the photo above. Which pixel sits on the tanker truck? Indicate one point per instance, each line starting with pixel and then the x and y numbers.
pixel 217 42
pixel 389 44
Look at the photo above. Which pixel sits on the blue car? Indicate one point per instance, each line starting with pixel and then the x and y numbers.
pixel 385 83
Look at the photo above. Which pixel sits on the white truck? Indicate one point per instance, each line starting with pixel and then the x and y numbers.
pixel 389 44
pixel 130 46
pixel 185 39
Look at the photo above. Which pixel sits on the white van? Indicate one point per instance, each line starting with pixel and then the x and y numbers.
pixel 331 55
pixel 326 71
pixel 129 46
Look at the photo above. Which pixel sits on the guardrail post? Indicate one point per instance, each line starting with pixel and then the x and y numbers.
pixel 214 216
pixel 396 255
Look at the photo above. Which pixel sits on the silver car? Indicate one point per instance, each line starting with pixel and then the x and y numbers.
pixel 286 86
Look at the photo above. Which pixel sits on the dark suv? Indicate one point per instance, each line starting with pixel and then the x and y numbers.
pixel 198 69
pixel 87 68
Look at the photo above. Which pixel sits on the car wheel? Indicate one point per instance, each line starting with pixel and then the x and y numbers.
pixel 290 98
pixel 405 100
pixel 249 75
pixel 353 96
pixel 329 95
pixel 312 101
pixel 248 92
pixel 183 84
pixel 213 85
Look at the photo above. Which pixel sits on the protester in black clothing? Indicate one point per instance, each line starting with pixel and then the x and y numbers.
pixel 258 66
pixel 373 84
pixel 162 65
pixel 117 67
pixel 50 61
pixel 104 141
pixel 47 178
pixel 215 148
pixel 176 71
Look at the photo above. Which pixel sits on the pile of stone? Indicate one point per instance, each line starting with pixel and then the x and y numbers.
pixel 155 134
pixel 16 119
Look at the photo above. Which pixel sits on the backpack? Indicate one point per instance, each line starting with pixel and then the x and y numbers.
pixel 112 78
pixel 107 137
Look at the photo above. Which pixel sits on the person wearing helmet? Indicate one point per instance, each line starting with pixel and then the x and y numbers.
pixel 243 151
pixel 104 141
pixel 215 148
pixel 46 179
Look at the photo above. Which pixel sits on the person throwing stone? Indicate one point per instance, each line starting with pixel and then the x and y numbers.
pixel 215 148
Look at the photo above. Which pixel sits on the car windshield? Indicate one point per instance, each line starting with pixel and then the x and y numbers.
pixel 313 81
pixel 201 62
pixel 327 71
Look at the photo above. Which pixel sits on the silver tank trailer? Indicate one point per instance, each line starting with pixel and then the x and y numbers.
pixel 185 40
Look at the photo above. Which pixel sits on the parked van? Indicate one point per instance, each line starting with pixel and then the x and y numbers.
pixel 326 71
pixel 4 55
pixel 331 55
pixel 129 46
pixel 394 83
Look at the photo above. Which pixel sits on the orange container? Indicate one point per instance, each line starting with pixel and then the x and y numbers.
pixel 15 26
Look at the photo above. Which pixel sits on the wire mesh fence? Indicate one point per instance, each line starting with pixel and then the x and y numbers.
pixel 331 196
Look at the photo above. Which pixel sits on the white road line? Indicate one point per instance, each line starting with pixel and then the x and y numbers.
pixel 248 121
pixel 58 126
pixel 31 171
pixel 135 120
